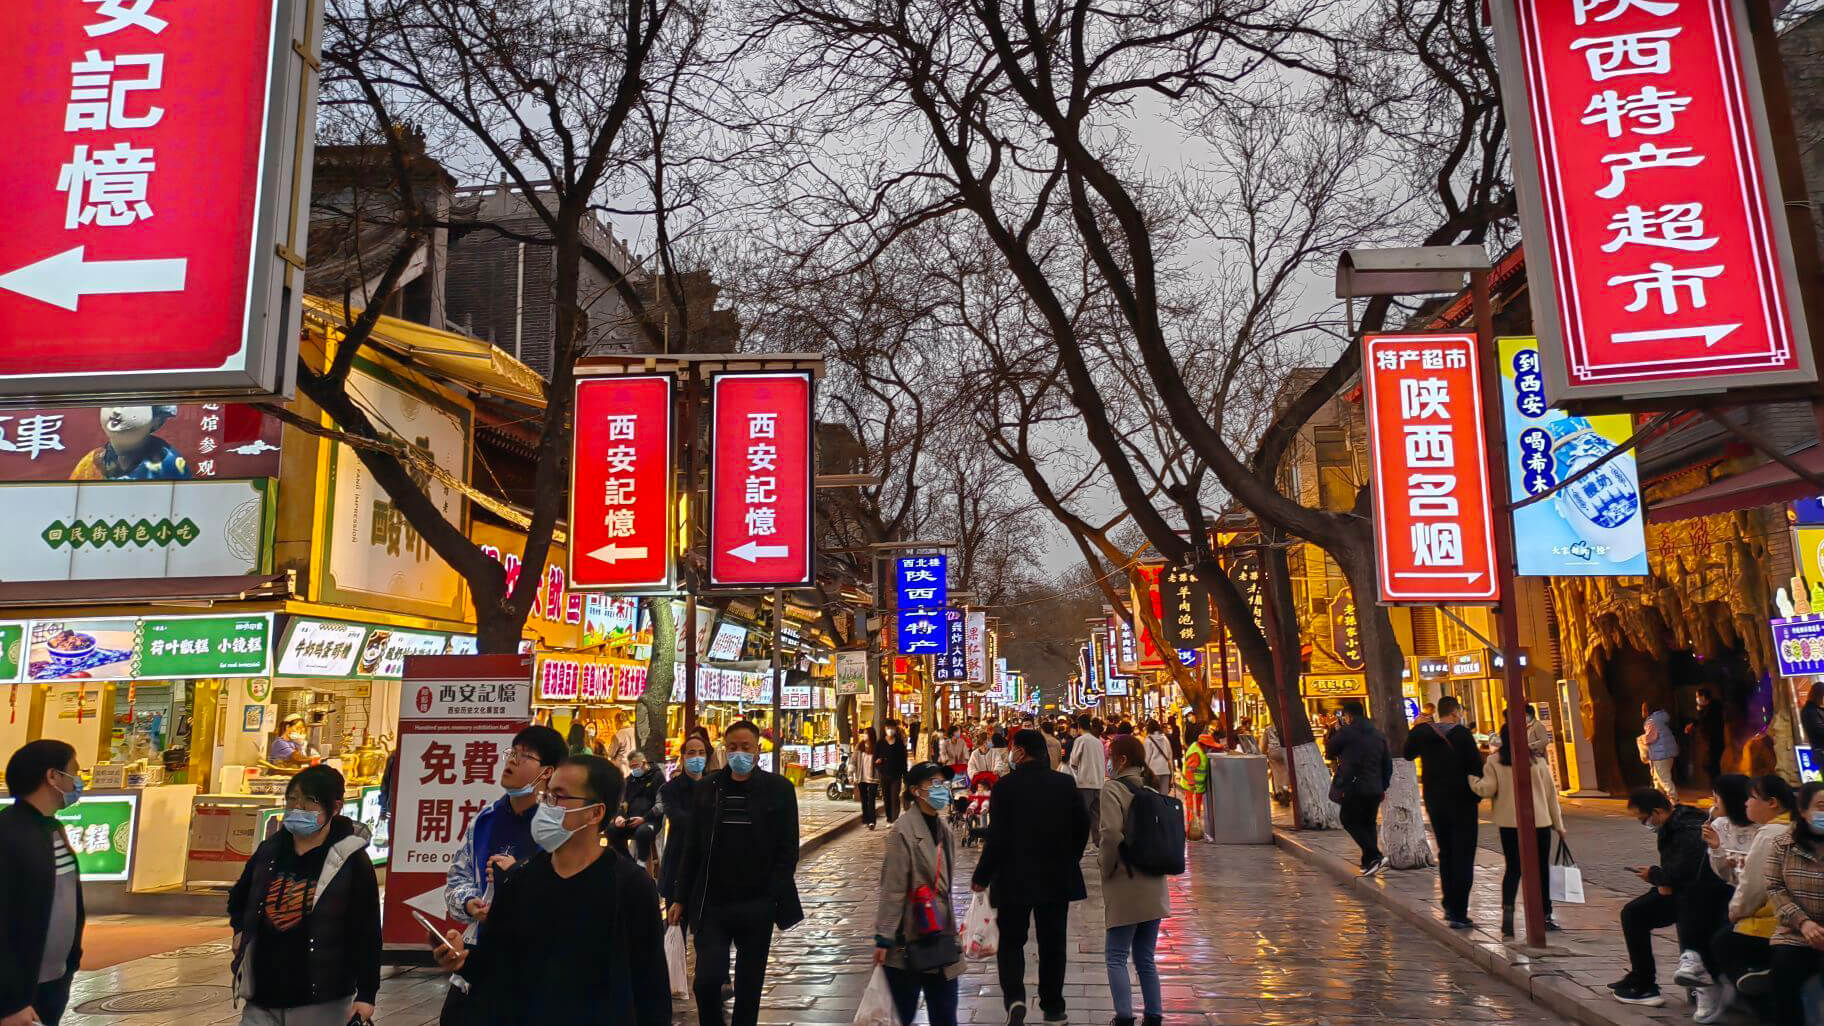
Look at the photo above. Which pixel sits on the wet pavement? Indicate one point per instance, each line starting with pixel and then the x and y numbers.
pixel 1256 938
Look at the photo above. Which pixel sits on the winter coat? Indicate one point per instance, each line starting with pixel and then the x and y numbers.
pixel 28 884
pixel 1749 907
pixel 912 861
pixel 1448 758
pixel 343 917
pixel 467 878
pixel 1088 762
pixel 1054 750
pixel 1795 886
pixel 640 794
pixel 1683 856
pixel 1662 740
pixel 674 806
pixel 988 760
pixel 1159 756
pixel 1811 720
pixel 1497 782
pixel 1037 829
pixel 1364 766
pixel 773 806
pixel 1128 896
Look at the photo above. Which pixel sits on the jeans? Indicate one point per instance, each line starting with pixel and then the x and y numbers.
pixel 327 1013
pixel 1010 959
pixel 1142 939
pixel 1092 801
pixel 1694 910
pixel 940 995
pixel 865 792
pixel 1361 815
pixel 748 928
pixel 889 790
pixel 1510 880
pixel 51 997
pixel 1455 829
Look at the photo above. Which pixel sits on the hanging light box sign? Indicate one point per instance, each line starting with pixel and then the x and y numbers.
pixel 622 512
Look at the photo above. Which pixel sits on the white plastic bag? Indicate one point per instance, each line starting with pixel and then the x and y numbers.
pixel 981 935
pixel 1566 878
pixel 877 1003
pixel 674 961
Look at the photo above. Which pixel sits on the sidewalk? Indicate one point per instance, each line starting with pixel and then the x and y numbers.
pixel 1572 976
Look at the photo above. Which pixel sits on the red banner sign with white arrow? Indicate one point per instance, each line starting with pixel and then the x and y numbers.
pixel 761 480
pixel 151 159
pixel 621 508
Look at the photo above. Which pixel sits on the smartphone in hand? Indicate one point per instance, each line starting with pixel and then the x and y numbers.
pixel 438 940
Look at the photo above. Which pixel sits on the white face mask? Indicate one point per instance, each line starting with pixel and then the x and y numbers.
pixel 548 830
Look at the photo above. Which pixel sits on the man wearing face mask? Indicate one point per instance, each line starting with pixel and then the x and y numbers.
pixel 574 934
pixel 499 837
pixel 41 914
pixel 1685 893
pixel 738 875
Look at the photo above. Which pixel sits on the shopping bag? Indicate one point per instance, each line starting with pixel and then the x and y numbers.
pixel 1566 878
pixel 877 1003
pixel 674 961
pixel 981 934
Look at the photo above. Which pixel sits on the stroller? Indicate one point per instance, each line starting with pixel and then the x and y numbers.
pixel 975 815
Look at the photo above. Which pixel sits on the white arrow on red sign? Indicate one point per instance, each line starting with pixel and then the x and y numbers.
pixel 754 551
pixel 616 553
pixel 63 280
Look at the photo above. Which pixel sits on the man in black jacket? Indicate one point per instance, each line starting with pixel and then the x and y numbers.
pixel 41 914
pixel 1364 770
pixel 1037 829
pixel 893 762
pixel 1449 758
pixel 1685 893
pixel 739 875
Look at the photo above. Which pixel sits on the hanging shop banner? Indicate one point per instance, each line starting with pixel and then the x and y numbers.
pixel 12 652
pixel 151 647
pixel 137 530
pixel 99 828
pixel 622 454
pixel 953 665
pixel 1127 653
pixel 975 642
pixel 593 679
pixel 1658 254
pixel 155 154
pixel 457 718
pixel 1595 527
pixel 613 620
pixel 375 558
pixel 1798 645
pixel 1150 573
pixel 557 611
pixel 852 671
pixel 332 648
pixel 761 485
pixel 1185 612
pixel 139 443
pixel 922 632
pixel 1434 523
pixel 921 582
pixel 1346 631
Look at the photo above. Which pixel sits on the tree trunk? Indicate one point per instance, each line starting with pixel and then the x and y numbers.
pixel 649 714
pixel 1318 812
pixel 1403 838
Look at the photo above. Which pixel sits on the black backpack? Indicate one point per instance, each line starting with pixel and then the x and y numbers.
pixel 1154 841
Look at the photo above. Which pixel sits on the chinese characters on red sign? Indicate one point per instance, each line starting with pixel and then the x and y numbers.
pixel 147 147
pixel 621 460
pixel 1656 246
pixel 1433 523
pixel 760 480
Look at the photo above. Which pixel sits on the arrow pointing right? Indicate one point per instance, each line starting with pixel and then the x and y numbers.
pixel 1710 333
pixel 63 280
pixel 753 551
pixel 1428 575
pixel 612 553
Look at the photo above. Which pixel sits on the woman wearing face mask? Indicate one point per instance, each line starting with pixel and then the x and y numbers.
pixel 673 808
pixel 637 821
pixel 915 926
pixel 867 775
pixel 306 914
pixel 1742 948
pixel 291 746
pixel 1795 886
pixel 1133 903
pixel 574 934
pixel 892 768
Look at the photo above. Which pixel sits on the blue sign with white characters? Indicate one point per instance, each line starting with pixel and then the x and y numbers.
pixel 922 582
pixel 923 632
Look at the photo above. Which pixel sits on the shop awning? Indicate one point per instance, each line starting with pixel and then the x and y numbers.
pixel 460 358
pixel 17 594
pixel 1765 484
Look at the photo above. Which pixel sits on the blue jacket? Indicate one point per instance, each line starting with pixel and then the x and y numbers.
pixel 467 878
pixel 1666 747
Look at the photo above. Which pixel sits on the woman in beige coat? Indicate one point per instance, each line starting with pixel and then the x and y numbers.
pixel 1133 903
pixel 915 880
pixel 1497 782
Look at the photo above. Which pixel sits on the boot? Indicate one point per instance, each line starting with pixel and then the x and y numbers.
pixel 1507 921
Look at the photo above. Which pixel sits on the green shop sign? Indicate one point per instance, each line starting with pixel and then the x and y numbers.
pixel 100 831
pixel 120 533
pixel 204 646
pixel 12 651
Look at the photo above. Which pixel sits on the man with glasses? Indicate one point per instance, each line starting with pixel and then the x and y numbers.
pixel 41 915
pixel 738 875
pixel 499 837
pixel 573 935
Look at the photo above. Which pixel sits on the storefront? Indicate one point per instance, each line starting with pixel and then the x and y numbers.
pixel 1324 693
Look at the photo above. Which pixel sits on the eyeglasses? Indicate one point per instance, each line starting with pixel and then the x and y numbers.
pixel 521 755
pixel 553 799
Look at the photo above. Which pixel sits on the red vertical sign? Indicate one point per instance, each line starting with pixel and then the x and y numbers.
pixel 1433 521
pixel 1656 246
pixel 1151 658
pixel 760 480
pixel 621 458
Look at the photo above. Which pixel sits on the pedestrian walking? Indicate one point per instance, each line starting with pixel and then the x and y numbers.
pixel 574 934
pixel 41 910
pixel 1134 902
pixel 1742 948
pixel 1795 886
pixel 306 915
pixel 1659 747
pixel 1684 893
pixel 1709 734
pixel 915 937
pixel 956 749
pixel 867 776
pixel 1159 761
pixel 1030 868
pixel 1536 739
pixel 635 823
pixel 1501 783
pixel 1364 771
pixel 1054 748
pixel 1087 768
pixel 739 875
pixel 893 764
pixel 674 809
pixel 499 837
pixel 1448 758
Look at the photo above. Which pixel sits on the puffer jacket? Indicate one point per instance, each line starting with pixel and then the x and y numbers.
pixel 343 917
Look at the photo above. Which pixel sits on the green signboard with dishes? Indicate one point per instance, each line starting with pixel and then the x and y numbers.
pixel 146 648
pixel 100 832
pixel 204 646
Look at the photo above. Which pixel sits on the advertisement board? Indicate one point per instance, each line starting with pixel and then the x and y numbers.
pixel 1186 608
pixel 761 487
pixel 557 612
pixel 1659 259
pixel 137 530
pixel 1798 645
pixel 852 671
pixel 612 620
pixel 139 443
pixel 155 157
pixel 1595 527
pixel 99 828
pixel 1433 516
pixel 152 647
pixel 622 456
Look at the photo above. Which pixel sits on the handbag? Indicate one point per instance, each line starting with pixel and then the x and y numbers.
pixel 1566 878
pixel 933 952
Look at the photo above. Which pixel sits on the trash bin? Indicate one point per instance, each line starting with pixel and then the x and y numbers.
pixel 1235 806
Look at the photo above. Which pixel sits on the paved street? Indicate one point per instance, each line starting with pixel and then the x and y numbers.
pixel 1257 939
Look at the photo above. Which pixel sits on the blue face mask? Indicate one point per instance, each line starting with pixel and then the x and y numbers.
pixel 301 823
pixel 695 764
pixel 638 771
pixel 74 794
pixel 521 792
pixel 1817 822
pixel 939 797
pixel 741 762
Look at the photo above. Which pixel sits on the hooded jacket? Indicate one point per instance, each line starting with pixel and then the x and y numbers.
pixel 1684 858
pixel 1364 766
pixel 343 916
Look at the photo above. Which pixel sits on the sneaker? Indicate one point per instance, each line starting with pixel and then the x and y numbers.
pixel 1713 1002
pixel 1016 1015
pixel 1461 924
pixel 1691 972
pixel 1379 867
pixel 1551 925
pixel 1640 994
pixel 1153 1020
pixel 1755 983
pixel 1625 981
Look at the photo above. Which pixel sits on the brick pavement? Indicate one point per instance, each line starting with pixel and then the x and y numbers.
pixel 1258 938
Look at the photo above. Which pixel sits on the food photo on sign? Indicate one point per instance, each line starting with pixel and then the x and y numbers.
pixel 81 650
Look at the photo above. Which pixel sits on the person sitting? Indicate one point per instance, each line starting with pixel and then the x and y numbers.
pixel 1685 893
pixel 636 821
pixel 1795 886
pixel 1742 948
